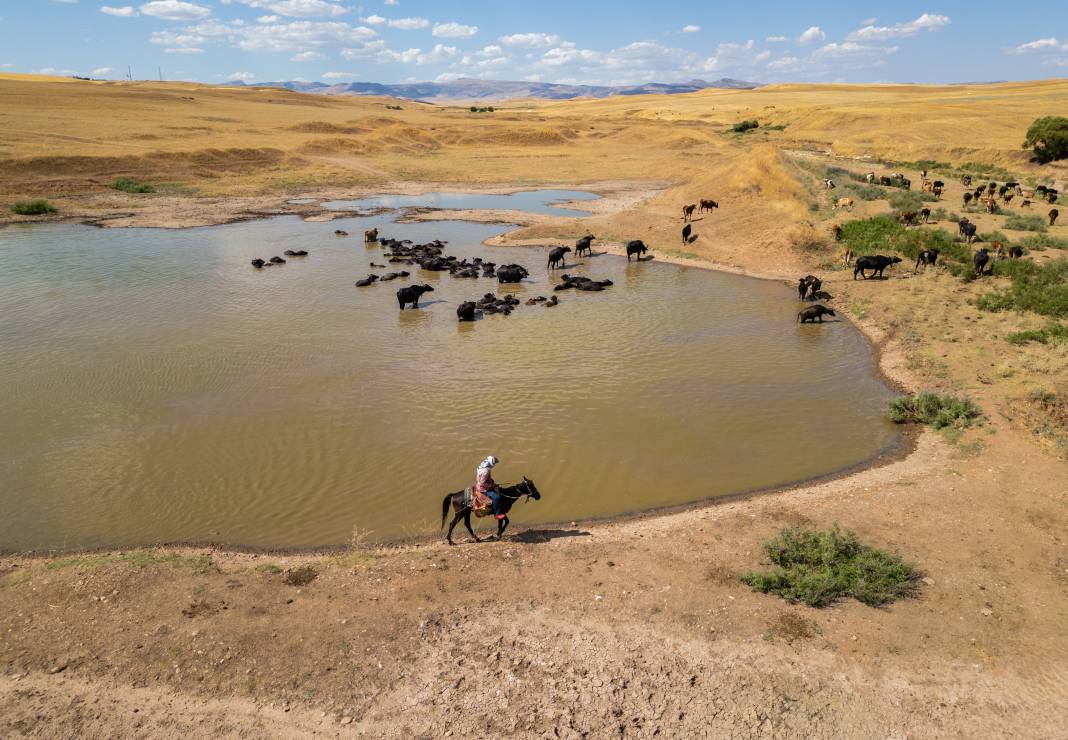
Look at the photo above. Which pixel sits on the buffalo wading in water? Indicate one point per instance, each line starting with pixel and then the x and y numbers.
pixel 369 280
pixel 411 294
pixel 370 236
pixel 813 314
pixel 636 248
pixel 466 311
pixel 557 257
pixel 462 505
pixel 511 273
pixel 874 262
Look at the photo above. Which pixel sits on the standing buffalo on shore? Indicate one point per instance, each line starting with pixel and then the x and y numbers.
pixel 708 205
pixel 412 294
pixel 585 244
pixel 814 314
pixel 808 286
pixel 874 262
pixel 557 257
pixel 636 248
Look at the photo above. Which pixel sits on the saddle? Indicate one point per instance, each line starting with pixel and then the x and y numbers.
pixel 480 503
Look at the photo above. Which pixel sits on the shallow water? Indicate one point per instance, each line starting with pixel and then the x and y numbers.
pixel 158 388
pixel 530 201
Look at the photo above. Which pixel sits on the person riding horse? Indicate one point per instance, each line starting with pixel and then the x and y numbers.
pixel 486 487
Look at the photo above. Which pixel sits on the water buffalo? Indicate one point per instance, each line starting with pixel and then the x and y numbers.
pixel 874 262
pixel 295 253
pixel 411 294
pixel 394 275
pixel 370 236
pixel 707 205
pixel 1053 214
pixel 1015 252
pixel 808 286
pixel 466 311
pixel 258 263
pixel 277 261
pixel 802 288
pixel 551 302
pixel 585 244
pixel 968 199
pixel 636 248
pixel 582 283
pixel 814 313
pixel 981 258
pixel 927 257
pixel 967 230
pixel 687 211
pixel 339 232
pixel 557 257
pixel 686 231
pixel 369 280
pixel 511 273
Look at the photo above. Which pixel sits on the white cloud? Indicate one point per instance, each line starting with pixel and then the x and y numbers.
pixel 242 77
pixel 408 24
pixel 299 8
pixel 530 40
pixel 269 19
pixel 6 65
pixel 851 50
pixel 1032 47
pixel 453 30
pixel 926 22
pixel 813 34
pixel 391 2
pixel 339 75
pixel 184 50
pixel 126 11
pixel 175 10
pixel 785 64
pixel 373 20
pixel 775 39
pixel 176 39
pixel 296 36
pixel 102 71
pixel 438 54
pixel 691 29
pixel 307 56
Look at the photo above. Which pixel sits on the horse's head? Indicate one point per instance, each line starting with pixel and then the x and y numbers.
pixel 530 489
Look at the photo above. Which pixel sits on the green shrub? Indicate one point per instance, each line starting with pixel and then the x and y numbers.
pixel 1042 289
pixel 910 200
pixel 883 234
pixel 743 126
pixel 132 186
pixel 1018 222
pixel 819 567
pixel 863 192
pixel 937 410
pixel 1048 138
pixel 1042 242
pixel 33 207
pixel 1052 334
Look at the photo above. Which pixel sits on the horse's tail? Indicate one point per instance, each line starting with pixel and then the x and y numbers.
pixel 445 508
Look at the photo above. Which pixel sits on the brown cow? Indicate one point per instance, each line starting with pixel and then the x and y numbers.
pixel 1053 214
pixel 687 211
pixel 836 232
pixel 707 205
pixel 844 203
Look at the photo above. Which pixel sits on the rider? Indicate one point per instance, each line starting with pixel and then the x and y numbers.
pixel 485 485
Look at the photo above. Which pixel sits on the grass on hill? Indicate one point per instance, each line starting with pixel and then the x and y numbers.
pixel 937 410
pixel 1042 242
pixel 132 186
pixel 910 200
pixel 1018 222
pixel 1042 289
pixel 1052 334
pixel 883 234
pixel 33 207
pixel 818 568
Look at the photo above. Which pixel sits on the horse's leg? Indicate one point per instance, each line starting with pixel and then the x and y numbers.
pixel 502 524
pixel 467 522
pixel 455 521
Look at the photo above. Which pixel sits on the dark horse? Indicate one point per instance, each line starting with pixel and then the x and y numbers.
pixel 509 495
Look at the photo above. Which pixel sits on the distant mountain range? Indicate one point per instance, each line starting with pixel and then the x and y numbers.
pixel 493 90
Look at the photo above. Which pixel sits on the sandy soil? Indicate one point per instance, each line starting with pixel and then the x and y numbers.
pixel 631 628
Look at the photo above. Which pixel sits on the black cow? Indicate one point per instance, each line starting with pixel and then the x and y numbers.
pixel 927 257
pixel 809 285
pixel 1015 252
pixel 874 262
pixel 636 248
pixel 585 244
pixel 511 273
pixel 686 231
pixel 981 258
pixel 412 294
pixel 814 313
pixel 925 215
pixel 557 257
pixel 1053 215
pixel 802 288
pixel 466 311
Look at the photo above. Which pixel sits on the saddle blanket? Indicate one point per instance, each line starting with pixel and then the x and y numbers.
pixel 479 503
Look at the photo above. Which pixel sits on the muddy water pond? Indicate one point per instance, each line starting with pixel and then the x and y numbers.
pixel 157 388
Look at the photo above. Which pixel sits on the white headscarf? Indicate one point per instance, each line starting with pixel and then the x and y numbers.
pixel 489 462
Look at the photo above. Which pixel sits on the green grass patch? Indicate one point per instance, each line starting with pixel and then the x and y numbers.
pixel 1042 289
pixel 1018 222
pixel 818 568
pixel 884 235
pixel 132 186
pixel 743 126
pixel 1052 334
pixel 198 564
pixel 268 569
pixel 1042 242
pixel 37 207
pixel 862 192
pixel 937 410
pixel 78 561
pixel 910 200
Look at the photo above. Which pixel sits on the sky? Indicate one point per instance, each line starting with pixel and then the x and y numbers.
pixel 573 42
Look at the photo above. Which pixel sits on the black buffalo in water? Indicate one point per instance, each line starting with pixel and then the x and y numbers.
pixel 636 248
pixel 927 257
pixel 258 263
pixel 557 257
pixel 412 294
pixel 369 280
pixel 370 236
pixel 874 262
pixel 466 311
pixel 277 261
pixel 582 283
pixel 814 313
pixel 511 273
pixel 585 244
pixel 295 253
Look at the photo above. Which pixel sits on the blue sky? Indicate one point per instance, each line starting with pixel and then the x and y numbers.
pixel 577 41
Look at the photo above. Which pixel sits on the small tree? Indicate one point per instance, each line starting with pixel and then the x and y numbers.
pixel 474 109
pixel 1048 136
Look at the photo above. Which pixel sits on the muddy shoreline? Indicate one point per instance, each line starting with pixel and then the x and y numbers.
pixel 614 197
